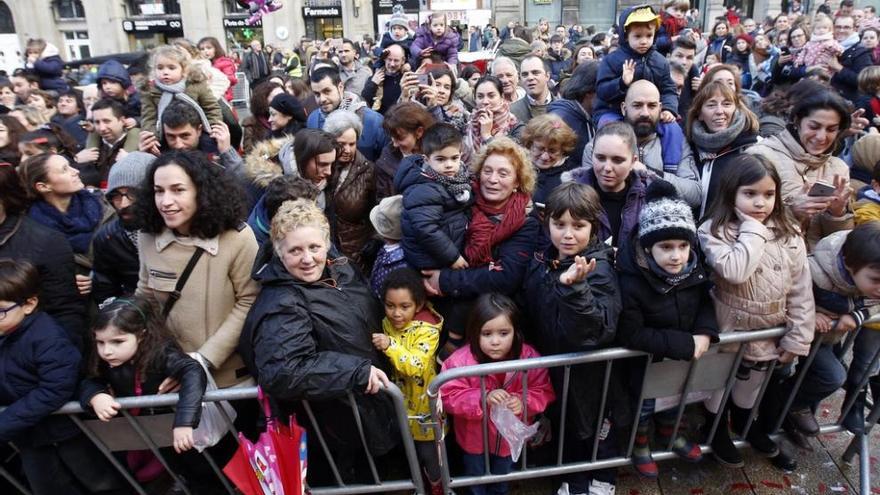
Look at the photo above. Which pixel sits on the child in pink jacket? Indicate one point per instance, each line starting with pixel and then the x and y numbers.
pixel 492 335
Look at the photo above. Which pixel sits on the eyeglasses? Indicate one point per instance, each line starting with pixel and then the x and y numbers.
pixel 6 310
pixel 540 150
pixel 117 196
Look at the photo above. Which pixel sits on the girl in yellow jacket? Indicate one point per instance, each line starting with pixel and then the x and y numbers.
pixel 411 334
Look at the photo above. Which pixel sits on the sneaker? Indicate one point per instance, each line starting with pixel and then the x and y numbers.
pixel 601 488
pixel 563 489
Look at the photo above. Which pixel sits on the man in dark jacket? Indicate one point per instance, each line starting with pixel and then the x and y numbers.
pixel 535 74
pixel 855 57
pixel 683 51
pixel 116 267
pixel 109 141
pixel 388 77
pixel 255 65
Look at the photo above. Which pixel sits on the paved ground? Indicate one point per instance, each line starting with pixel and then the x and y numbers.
pixel 821 471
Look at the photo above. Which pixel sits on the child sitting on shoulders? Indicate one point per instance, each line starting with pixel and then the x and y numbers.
pixel 175 77
pixel 493 335
pixel 434 37
pixel 411 333
pixel 437 193
pixel 822 46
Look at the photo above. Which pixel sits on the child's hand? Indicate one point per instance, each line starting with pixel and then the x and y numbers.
pixel 381 341
pixel 742 216
pixel 785 357
pixel 129 123
pixel 846 323
pixel 105 406
pixel 497 397
pixel 514 403
pixel 701 345
pixel 578 271
pixel 460 263
pixel 824 323
pixel 667 117
pixel 183 438
pixel 629 72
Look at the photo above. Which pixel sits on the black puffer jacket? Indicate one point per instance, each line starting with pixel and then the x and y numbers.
pixel 660 318
pixel 172 362
pixel 313 341
pixel 433 222
pixel 576 318
pixel 24 239
pixel 116 266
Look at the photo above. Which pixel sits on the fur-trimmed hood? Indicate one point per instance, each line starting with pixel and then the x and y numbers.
pixel 270 159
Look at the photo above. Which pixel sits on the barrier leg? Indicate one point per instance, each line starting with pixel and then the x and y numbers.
pixel 862 383
pixel 871 421
pixel 601 414
pixel 797 385
pixel 864 464
pixel 566 381
pixel 363 437
pixel 726 395
pixel 485 423
pixel 155 450
pixel 109 455
pixel 218 472
pixel 680 410
pixel 409 446
pixel 323 443
pixel 638 414
pixel 525 415
pixel 757 406
pixel 437 416
pixel 14 482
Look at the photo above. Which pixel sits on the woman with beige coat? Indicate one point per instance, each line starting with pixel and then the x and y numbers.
pixel 802 155
pixel 186 206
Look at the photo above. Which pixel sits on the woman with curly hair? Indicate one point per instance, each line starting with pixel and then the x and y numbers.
pixel 549 141
pixel 192 213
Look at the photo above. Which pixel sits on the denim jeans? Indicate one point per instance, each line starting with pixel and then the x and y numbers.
pixel 474 465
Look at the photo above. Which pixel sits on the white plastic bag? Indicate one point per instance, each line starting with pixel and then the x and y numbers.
pixel 213 426
pixel 514 431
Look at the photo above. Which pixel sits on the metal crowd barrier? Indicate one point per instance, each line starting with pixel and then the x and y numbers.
pixel 127 432
pixel 713 371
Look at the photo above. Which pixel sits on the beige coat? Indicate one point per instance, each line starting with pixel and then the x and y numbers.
pixel 761 282
pixel 797 167
pixel 216 299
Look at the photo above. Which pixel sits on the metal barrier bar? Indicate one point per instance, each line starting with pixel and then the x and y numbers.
pixel 566 380
pixel 14 482
pixel 323 443
pixel 525 415
pixel 155 450
pixel 728 387
pixel 600 422
pixel 801 374
pixel 109 455
pixel 688 381
pixel 360 426
pixel 632 436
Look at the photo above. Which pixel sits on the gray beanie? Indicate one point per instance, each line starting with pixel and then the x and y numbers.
pixel 665 216
pixel 129 171
pixel 398 18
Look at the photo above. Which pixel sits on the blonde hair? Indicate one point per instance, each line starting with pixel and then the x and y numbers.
pixel 191 73
pixel 517 156
pixel 820 19
pixel 550 129
pixel 36 45
pixel 294 214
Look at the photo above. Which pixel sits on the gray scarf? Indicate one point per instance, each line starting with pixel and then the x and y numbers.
pixel 711 143
pixel 169 93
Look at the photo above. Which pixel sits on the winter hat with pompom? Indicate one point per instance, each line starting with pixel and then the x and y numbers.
pixel 665 216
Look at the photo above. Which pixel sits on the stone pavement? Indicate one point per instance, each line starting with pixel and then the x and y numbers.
pixel 821 471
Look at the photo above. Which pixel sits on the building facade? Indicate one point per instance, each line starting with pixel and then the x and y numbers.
pixel 84 28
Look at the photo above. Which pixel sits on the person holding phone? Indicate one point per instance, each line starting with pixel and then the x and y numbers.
pixel 815 184
pixel 384 88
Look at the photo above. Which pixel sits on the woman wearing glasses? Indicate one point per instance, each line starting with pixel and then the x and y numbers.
pixel 549 141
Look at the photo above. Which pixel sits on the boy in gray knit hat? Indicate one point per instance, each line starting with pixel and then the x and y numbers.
pixel 115 269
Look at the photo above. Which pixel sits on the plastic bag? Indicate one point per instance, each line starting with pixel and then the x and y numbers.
pixel 213 426
pixel 514 431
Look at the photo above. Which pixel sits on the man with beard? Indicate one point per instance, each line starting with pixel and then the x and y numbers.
pixel 354 74
pixel 116 266
pixel 330 93
pixel 663 151
pixel 385 83
pixel 535 74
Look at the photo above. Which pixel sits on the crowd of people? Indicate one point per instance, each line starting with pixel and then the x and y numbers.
pixel 384 213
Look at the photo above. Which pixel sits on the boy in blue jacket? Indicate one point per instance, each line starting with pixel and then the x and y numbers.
pixel 635 59
pixel 39 372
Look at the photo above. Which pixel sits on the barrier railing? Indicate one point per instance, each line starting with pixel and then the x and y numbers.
pixel 713 371
pixel 128 432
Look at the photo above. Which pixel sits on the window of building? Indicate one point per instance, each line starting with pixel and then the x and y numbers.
pixel 7 25
pixel 77 44
pixel 233 7
pixel 153 7
pixel 69 9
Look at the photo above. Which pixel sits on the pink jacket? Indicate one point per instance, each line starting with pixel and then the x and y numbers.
pixel 461 399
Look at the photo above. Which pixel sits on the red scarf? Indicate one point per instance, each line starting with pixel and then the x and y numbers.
pixel 483 234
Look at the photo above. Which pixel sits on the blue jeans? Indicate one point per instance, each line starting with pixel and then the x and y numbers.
pixel 475 465
pixel 827 373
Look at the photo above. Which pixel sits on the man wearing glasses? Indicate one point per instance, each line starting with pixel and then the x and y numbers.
pixel 845 70
pixel 115 269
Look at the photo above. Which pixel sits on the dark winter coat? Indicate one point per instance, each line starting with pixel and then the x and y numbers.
pixel 548 179
pixel 115 71
pixel 504 274
pixel 21 238
pixel 39 371
pixel 313 341
pixel 386 168
pixel 713 168
pixel 390 92
pixel 72 127
pixel 446 47
pixel 433 222
pixel 576 318
pixel 660 318
pixel 629 216
pixel 352 201
pixel 652 66
pixel 116 266
pixel 171 363
pixel 687 96
pixel 580 121
pixel 853 61
pixel 559 63
pixel 51 72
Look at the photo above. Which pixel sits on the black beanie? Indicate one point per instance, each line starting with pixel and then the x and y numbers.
pixel 290 106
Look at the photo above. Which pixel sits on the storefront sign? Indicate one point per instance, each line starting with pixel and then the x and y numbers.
pixel 385 6
pixel 453 4
pixel 152 25
pixel 239 22
pixel 312 12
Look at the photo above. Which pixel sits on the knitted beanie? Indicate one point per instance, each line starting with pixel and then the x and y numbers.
pixel 385 217
pixel 665 216
pixel 398 18
pixel 129 171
